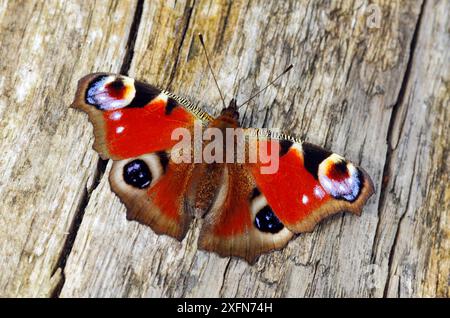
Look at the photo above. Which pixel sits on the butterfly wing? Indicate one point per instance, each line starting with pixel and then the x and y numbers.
pixel 133 124
pixel 310 184
pixel 240 222
pixel 131 118
pixel 149 186
pixel 257 210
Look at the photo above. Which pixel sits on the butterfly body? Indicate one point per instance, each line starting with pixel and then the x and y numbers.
pixel 246 210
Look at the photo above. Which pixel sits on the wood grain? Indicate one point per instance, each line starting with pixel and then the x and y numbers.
pixel 46 163
pixel 377 93
pixel 414 214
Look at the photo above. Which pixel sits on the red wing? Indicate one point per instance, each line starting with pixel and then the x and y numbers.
pixel 240 222
pixel 311 184
pixel 131 118
pixel 153 189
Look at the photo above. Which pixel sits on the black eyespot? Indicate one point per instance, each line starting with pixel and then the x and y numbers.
pixel 340 167
pixel 137 174
pixel 266 221
pixel 117 84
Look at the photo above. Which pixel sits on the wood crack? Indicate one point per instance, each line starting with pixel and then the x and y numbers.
pixel 188 14
pixel 224 276
pixel 75 226
pixel 397 234
pixel 390 149
pixel 219 43
pixel 100 167
pixel 125 68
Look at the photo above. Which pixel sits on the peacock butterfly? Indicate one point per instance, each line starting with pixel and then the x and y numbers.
pixel 246 211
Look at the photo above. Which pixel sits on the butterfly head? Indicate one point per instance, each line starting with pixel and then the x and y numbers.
pixel 231 111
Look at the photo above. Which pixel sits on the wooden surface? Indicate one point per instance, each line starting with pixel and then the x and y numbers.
pixel 374 90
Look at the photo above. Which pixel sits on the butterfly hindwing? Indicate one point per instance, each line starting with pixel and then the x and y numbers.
pixel 240 222
pixel 153 187
pixel 131 118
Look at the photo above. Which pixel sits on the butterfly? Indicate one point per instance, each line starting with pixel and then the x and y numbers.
pixel 246 212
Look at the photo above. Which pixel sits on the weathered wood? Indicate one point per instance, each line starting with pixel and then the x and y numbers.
pixel 358 83
pixel 412 244
pixel 45 164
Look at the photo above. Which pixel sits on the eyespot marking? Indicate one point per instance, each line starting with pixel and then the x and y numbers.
pixel 266 221
pixel 116 89
pixel 137 174
pixel 341 179
pixel 92 88
pixel 108 92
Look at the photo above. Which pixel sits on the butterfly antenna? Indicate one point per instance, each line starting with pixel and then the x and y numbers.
pixel 265 87
pixel 237 87
pixel 210 68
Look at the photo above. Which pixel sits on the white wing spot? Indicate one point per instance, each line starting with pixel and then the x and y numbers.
pixel 116 115
pixel 120 129
pixel 305 199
